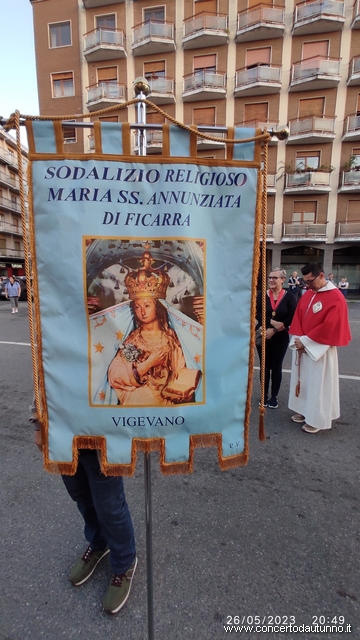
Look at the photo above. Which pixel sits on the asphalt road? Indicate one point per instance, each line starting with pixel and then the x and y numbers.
pixel 279 537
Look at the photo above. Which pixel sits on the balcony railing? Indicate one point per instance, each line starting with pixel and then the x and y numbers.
pixel 352 125
pixel 347 229
pixel 161 90
pixel 308 179
pixel 351 178
pixel 269 231
pixel 356 15
pixel 9 252
pixel 106 91
pixel 354 71
pixel 9 158
pixel 205 22
pixel 113 39
pixel 153 29
pixel 324 66
pixel 5 178
pixel 316 124
pixel 204 79
pixel 90 4
pixel 7 227
pixel 260 73
pixel 9 204
pixel 308 10
pixel 154 139
pixel 261 13
pixel 304 230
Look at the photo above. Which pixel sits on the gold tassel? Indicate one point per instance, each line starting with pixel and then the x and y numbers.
pixel 297 389
pixel 262 434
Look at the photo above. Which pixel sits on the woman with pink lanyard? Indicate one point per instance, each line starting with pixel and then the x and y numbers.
pixel 280 308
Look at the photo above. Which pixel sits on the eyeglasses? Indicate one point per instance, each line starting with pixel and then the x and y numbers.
pixel 308 283
pixel 274 277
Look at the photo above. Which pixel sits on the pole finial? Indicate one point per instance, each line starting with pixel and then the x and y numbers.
pixel 141 85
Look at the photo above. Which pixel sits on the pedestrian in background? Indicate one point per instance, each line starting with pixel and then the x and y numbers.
pixel 280 308
pixel 12 291
pixel 294 284
pixel 343 286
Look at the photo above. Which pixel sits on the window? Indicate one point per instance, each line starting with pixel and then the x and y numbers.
pixel 154 117
pixel 358 105
pixel 305 211
pixel 69 134
pixel 156 13
pixel 106 22
pixel 63 84
pixel 17 246
pixel 2 222
pixel 107 75
pixel 205 63
pixel 309 107
pixel 15 224
pixel 204 115
pixel 256 112
pixel 155 69
pixel 315 49
pixel 205 6
pixel 109 118
pixel 307 160
pixel 356 157
pixel 60 34
pixel 258 56
pixel 2 244
pixel 353 211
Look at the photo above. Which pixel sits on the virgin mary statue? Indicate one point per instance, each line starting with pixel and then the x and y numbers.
pixel 151 353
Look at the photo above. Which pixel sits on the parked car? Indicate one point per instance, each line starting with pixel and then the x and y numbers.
pixel 22 282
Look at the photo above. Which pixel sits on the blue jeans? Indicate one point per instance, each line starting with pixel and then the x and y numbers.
pixel 102 503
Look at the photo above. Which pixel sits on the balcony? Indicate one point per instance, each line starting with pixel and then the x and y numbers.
pixel 104 44
pixel 356 16
pixel 271 183
pixel 8 158
pixel 269 232
pixel 354 72
pixel 204 85
pixel 8 181
pixel 260 23
pixel 307 182
pixel 304 231
pixel 311 130
pixel 352 128
pixel 105 94
pixel 90 4
pixel 350 181
pixel 259 80
pixel 153 142
pixel 208 145
pixel 205 30
pixel 161 90
pixel 9 252
pixel 153 36
pixel 257 124
pixel 7 227
pixel 318 17
pixel 9 205
pixel 345 231
pixel 315 73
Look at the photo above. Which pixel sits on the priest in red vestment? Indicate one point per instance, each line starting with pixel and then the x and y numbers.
pixel 319 326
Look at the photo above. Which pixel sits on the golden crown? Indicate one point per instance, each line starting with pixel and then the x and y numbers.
pixel 147 282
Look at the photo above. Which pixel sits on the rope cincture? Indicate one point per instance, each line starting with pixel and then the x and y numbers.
pixel 12 120
pixel 262 410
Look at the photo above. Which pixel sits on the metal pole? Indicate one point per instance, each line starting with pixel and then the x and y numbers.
pixel 141 90
pixel 149 554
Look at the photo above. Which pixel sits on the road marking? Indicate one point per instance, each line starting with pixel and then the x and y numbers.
pixel 340 376
pixel 23 344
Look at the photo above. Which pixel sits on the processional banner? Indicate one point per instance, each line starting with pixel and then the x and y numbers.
pixel 144 272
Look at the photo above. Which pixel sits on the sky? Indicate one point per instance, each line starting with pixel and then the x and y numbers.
pixel 17 56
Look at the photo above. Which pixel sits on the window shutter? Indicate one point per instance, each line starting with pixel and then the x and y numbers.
pixel 256 112
pixel 154 118
pixel 67 75
pixel 204 115
pixel 205 6
pixel 353 211
pixel 311 107
pixel 106 74
pixel 309 206
pixel 255 56
pixel 151 68
pixel 315 49
pixel 205 62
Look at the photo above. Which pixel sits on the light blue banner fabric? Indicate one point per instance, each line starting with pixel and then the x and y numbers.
pixel 106 229
pixel 44 136
pixel 111 138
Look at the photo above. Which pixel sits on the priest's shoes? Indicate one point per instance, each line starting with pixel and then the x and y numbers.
pixel 309 429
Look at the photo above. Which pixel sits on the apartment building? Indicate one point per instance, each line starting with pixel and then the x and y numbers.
pixel 225 63
pixel 11 241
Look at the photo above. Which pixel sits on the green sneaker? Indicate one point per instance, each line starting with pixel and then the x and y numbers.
pixel 119 589
pixel 86 565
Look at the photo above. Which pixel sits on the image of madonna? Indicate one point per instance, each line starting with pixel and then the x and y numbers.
pixel 158 360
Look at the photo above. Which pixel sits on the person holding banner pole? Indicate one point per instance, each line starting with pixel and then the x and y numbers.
pixel 280 309
pixel 108 526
